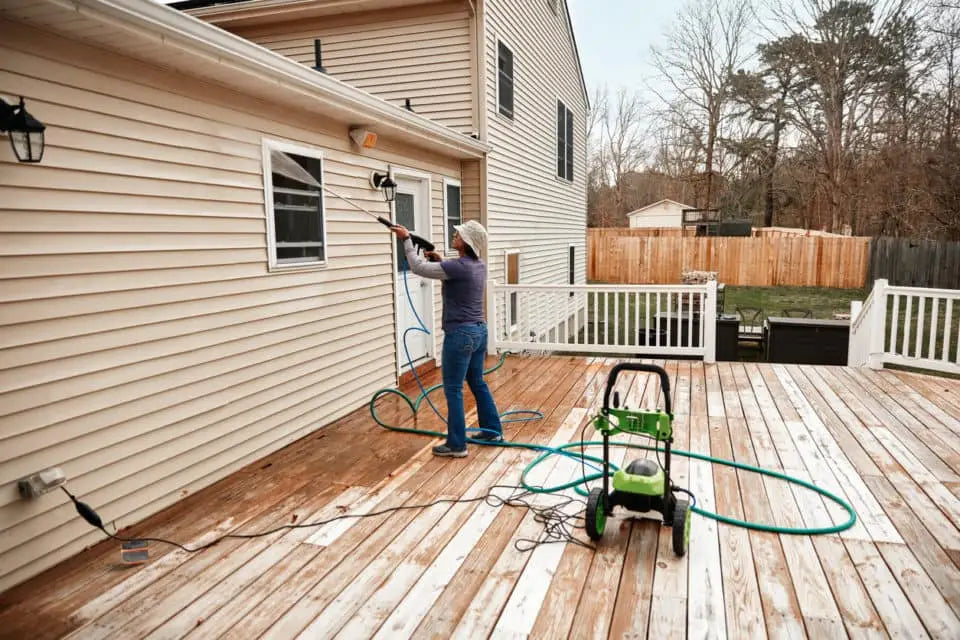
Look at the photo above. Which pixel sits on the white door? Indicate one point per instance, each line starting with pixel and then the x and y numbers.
pixel 411 209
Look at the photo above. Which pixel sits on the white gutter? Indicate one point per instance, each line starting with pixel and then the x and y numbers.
pixel 169 26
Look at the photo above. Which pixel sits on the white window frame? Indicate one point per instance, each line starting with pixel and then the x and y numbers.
pixel 447 249
pixel 301 150
pixel 496 70
pixel 506 278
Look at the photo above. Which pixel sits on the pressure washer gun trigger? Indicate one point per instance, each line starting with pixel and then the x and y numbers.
pixel 421 243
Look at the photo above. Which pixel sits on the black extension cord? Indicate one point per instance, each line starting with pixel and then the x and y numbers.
pixel 558 525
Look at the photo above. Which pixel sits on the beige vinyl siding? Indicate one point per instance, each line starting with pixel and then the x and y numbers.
pixel 470 195
pixel 528 207
pixel 144 346
pixel 425 56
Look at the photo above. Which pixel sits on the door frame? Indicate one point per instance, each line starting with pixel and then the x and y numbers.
pixel 425 214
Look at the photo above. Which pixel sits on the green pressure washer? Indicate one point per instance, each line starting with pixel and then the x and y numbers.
pixel 644 486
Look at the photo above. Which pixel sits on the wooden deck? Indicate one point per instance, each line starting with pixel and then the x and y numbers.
pixel 889 442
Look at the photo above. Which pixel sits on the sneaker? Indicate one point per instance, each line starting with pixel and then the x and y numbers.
pixel 488 437
pixel 446 452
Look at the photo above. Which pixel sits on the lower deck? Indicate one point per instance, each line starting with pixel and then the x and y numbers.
pixel 887 442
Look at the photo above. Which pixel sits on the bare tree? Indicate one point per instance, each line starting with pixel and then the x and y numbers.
pixel 596 157
pixel 840 51
pixel 624 132
pixel 707 45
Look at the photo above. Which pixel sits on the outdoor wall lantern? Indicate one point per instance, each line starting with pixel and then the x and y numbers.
pixel 26 132
pixel 385 183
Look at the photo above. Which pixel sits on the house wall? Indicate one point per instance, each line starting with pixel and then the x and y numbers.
pixel 421 53
pixel 145 348
pixel 529 208
pixel 661 215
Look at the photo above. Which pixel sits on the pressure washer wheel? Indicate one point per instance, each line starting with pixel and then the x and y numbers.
pixel 681 527
pixel 596 516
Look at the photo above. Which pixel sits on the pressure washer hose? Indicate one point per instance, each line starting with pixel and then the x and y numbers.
pixel 578 484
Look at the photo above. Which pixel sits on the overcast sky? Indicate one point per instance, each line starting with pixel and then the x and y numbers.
pixel 614 38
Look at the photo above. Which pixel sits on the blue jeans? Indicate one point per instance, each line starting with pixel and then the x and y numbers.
pixel 464 349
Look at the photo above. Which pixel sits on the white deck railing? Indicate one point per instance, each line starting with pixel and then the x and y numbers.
pixel 909 326
pixel 655 320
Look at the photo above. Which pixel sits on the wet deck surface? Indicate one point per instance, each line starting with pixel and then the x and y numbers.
pixel 888 442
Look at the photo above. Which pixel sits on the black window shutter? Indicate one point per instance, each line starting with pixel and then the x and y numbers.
pixel 561 138
pixel 569 149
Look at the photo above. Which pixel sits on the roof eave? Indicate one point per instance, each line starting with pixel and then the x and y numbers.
pixel 192 34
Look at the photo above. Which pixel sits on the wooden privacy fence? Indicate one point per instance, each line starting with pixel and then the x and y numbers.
pixel 916 263
pixel 775 260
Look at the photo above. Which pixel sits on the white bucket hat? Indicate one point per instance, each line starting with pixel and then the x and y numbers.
pixel 473 233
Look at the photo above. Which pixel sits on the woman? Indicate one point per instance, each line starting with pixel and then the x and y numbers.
pixel 465 332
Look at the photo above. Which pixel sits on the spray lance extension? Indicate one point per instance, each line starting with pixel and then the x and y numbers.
pixel 288 167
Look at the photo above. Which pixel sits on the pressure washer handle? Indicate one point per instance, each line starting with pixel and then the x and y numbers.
pixel 421 243
pixel 418 242
pixel 637 366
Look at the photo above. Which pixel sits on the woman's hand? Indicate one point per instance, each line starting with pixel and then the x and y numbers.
pixel 432 256
pixel 400 231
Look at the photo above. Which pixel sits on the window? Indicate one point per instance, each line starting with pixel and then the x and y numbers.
pixel 452 212
pixel 296 229
pixel 572 266
pixel 564 142
pixel 513 277
pixel 505 80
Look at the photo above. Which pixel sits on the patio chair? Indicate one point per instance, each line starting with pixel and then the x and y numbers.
pixel 751 324
pixel 796 312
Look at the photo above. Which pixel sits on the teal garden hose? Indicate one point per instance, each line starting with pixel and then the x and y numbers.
pixel 579 483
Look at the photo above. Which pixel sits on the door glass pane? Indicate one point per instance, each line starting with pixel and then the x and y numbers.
pixel 454 216
pixel 406 215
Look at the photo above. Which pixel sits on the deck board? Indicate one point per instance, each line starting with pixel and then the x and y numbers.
pixel 887 441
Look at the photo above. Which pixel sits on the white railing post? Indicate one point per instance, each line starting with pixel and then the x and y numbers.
pixel 877 328
pixel 492 328
pixel 855 307
pixel 855 356
pixel 709 318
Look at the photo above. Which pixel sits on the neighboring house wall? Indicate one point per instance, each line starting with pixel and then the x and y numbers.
pixel 660 215
pixel 146 348
pixel 529 208
pixel 422 53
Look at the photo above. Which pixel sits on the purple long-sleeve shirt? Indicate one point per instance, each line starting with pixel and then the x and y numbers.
pixel 463 282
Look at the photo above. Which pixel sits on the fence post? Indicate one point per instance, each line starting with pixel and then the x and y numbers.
pixel 492 328
pixel 709 318
pixel 878 325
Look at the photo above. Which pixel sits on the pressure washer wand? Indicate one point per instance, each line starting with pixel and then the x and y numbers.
pixel 418 242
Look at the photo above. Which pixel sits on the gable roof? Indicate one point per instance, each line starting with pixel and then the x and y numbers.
pixel 231 11
pixel 658 202
pixel 161 35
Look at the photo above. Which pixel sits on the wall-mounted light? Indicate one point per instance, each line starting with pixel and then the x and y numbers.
pixel 26 132
pixel 385 183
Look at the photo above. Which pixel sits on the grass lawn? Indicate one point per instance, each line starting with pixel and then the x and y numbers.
pixel 627 311
pixel 823 303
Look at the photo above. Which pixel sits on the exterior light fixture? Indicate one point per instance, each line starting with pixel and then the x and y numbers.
pixel 385 183
pixel 26 132
pixel 363 138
